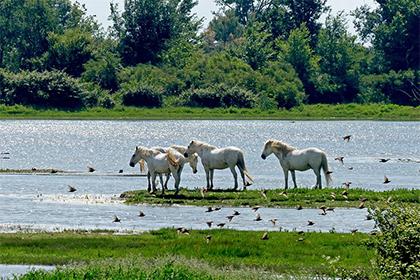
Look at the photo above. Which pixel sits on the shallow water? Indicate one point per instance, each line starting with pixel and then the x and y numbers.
pixel 40 202
pixel 9 271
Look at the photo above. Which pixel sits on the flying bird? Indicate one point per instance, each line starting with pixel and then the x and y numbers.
pixel 384 160
pixel 72 189
pixel 116 219
pixel 258 218
pixel 386 180
pixel 209 223
pixel 229 218
pixel 264 193
pixel 209 209
pixel 346 184
pixel 236 213
pixel 183 230
pixel 221 225
pixel 91 169
pixel 217 208
pixel 362 205
pixel 273 221
pixel 255 208
pixel 340 159
pixel 347 138
pixel 353 231
pixel 310 223
pixel 141 214
pixel 299 207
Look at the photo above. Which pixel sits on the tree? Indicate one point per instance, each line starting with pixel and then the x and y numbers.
pixel 69 51
pixel 225 28
pixel 146 27
pixel 25 25
pixel 246 10
pixel 298 52
pixel 393 28
pixel 339 62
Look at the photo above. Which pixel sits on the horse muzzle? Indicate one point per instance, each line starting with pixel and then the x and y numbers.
pixel 185 155
pixel 195 171
pixel 263 156
pixel 132 164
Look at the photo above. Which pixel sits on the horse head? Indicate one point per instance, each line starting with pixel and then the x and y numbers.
pixel 193 161
pixel 135 157
pixel 267 149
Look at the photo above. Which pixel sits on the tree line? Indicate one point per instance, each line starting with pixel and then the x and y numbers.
pixel 264 53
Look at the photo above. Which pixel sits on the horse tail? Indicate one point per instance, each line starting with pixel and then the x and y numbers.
pixel 241 165
pixel 141 163
pixel 327 173
pixel 172 159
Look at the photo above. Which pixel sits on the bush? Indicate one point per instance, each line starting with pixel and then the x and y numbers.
pixel 139 95
pixel 218 96
pixel 395 87
pixel 43 89
pixel 151 76
pixel 280 82
pixel 103 70
pixel 398 242
pixel 95 96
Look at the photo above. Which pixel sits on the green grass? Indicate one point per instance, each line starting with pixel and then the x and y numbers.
pixel 306 112
pixel 275 198
pixel 283 253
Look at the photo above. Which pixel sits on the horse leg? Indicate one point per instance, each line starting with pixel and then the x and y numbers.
pixel 235 176
pixel 293 178
pixel 168 175
pixel 243 177
pixel 161 183
pixel 208 178
pixel 318 177
pixel 286 178
pixel 177 178
pixel 149 186
pixel 153 174
pixel 211 178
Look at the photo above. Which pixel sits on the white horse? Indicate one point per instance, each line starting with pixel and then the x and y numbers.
pixel 192 160
pixel 292 159
pixel 160 163
pixel 219 158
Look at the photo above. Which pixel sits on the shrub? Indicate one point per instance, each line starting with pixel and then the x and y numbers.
pixel 44 89
pixel 139 95
pixel 95 96
pixel 280 82
pixel 218 96
pixel 395 87
pixel 398 242
pixel 103 70
pixel 151 76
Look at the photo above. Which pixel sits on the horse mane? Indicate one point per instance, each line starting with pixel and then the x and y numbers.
pixel 281 146
pixel 204 145
pixel 172 159
pixel 148 152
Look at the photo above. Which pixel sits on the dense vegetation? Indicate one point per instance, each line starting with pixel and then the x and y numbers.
pixel 253 54
pixel 393 252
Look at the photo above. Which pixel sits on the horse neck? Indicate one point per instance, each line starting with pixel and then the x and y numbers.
pixel 281 150
pixel 204 148
pixel 147 154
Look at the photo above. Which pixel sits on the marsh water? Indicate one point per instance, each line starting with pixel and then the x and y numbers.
pixel 43 203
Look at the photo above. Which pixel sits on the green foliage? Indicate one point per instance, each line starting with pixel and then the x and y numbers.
pixel 395 87
pixel 224 28
pixel 25 25
pixel 279 81
pixel 46 89
pixel 398 242
pixel 298 52
pixel 218 96
pixel 339 64
pixel 218 68
pixel 395 28
pixel 69 51
pixel 256 49
pixel 140 95
pixel 103 70
pixel 152 76
pixel 146 27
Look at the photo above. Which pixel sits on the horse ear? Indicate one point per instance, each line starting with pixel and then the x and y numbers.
pixel 192 142
pixel 137 148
